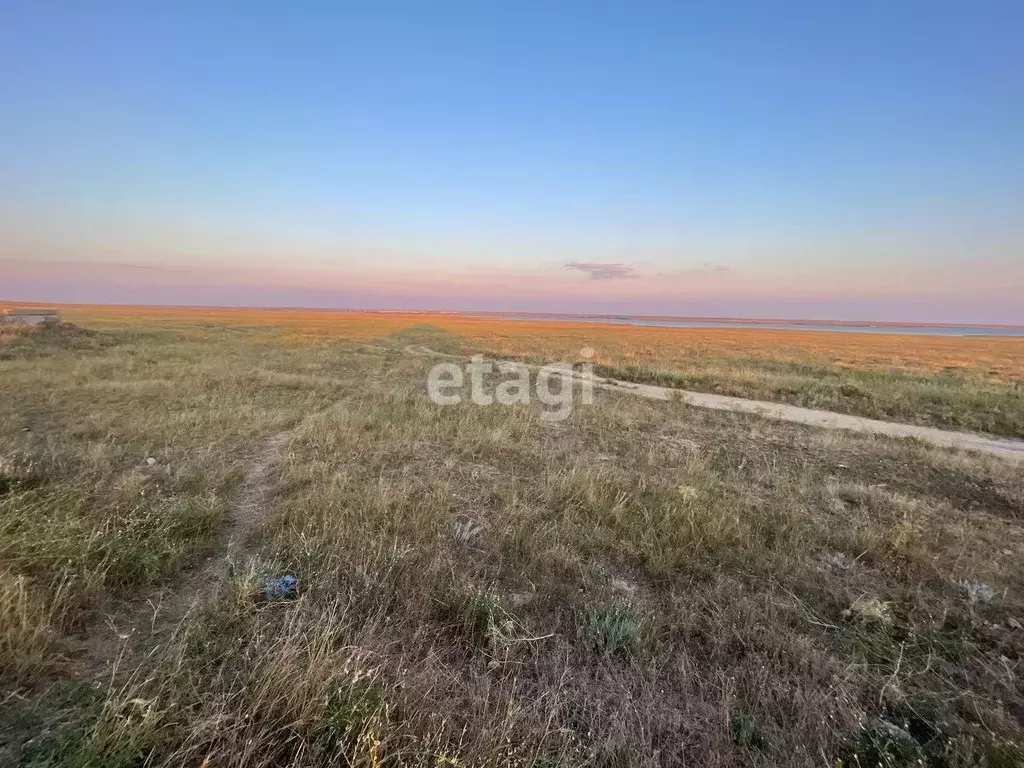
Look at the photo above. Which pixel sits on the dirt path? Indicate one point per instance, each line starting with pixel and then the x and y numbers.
pixel 1006 448
pixel 156 618
pixel 248 511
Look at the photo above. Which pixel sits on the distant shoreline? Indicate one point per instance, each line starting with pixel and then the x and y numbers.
pixel 731 320
pixel 616 319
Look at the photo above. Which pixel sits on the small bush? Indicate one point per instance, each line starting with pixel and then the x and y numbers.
pixel 854 391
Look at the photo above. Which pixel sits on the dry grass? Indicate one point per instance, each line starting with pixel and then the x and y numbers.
pixel 643 584
pixel 997 357
pixel 971 383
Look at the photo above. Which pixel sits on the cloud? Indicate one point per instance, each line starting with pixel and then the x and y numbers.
pixel 601 271
pixel 617 270
pixel 704 268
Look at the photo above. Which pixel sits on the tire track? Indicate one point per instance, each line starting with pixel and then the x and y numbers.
pixel 1002 447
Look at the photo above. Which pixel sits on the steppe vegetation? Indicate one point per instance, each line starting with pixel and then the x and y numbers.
pixel 962 383
pixel 642 584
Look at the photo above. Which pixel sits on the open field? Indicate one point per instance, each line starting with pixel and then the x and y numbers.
pixel 947 382
pixel 641 584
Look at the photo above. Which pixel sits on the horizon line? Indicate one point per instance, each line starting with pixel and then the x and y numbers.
pixel 526 315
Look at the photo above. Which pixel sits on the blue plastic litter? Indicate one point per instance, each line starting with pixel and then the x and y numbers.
pixel 284 588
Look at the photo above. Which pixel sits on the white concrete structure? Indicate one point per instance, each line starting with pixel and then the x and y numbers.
pixel 29 317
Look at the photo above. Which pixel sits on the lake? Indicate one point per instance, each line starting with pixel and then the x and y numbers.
pixel 914 330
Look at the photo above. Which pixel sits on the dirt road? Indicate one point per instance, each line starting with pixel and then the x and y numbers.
pixel 1006 448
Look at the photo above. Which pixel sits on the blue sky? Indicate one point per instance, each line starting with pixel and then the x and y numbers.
pixel 856 160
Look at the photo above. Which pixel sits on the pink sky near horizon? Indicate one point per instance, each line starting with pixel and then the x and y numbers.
pixel 900 277
pixel 983 293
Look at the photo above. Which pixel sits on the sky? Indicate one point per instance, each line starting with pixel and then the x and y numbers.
pixel 850 161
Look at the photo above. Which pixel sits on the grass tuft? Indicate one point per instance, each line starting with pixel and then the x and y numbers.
pixel 615 630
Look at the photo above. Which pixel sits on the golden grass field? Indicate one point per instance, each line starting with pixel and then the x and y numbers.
pixel 998 358
pixel 643 584
pixel 969 383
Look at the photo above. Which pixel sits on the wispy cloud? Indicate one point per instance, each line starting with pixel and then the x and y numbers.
pixel 704 268
pixel 617 270
pixel 602 271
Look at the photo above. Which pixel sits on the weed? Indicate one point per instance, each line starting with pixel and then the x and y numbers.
pixel 483 619
pixel 615 630
pixel 352 711
pixel 745 732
